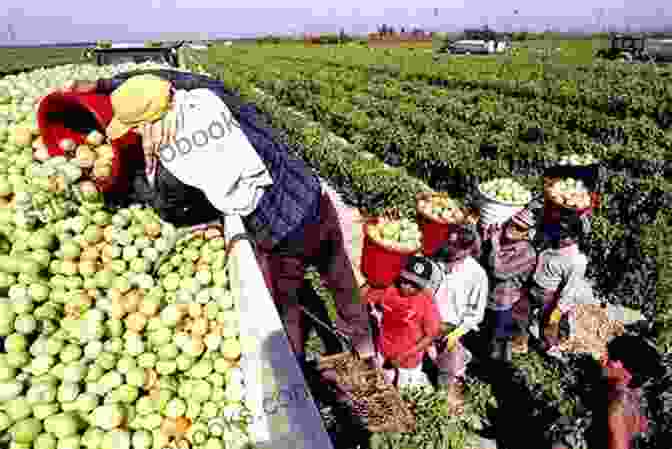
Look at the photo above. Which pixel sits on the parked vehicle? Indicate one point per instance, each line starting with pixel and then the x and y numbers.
pixel 474 42
pixel 119 53
pixel 636 48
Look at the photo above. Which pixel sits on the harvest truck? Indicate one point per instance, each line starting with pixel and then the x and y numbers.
pixel 136 53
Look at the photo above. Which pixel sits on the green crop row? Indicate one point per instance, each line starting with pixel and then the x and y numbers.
pixel 348 103
pixel 639 89
pixel 13 60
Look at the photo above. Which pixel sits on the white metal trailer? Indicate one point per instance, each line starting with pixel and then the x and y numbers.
pixel 285 415
pixel 476 47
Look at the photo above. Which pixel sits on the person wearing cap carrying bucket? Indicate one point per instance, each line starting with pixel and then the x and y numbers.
pixel 461 300
pixel 410 322
pixel 559 279
pixel 510 260
pixel 242 171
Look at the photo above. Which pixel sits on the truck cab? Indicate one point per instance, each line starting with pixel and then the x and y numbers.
pixel 119 53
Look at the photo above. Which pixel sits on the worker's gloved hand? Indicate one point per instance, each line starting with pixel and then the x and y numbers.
pixel 453 338
pixel 556 315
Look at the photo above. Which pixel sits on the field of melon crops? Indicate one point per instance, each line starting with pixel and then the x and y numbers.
pixel 384 125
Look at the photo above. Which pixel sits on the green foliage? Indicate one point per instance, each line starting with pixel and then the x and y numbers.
pixel 14 60
pixel 520 36
pixel 657 240
pixel 435 427
pixel 392 103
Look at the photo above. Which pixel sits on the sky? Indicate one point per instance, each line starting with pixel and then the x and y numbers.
pixel 71 21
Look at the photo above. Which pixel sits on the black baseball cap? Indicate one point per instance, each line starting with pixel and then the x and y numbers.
pixel 418 270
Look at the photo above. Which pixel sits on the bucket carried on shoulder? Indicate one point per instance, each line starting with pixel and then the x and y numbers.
pixel 494 211
pixel 382 264
pixel 435 231
pixel 554 208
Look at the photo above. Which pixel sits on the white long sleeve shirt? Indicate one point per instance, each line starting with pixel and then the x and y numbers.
pixel 463 295
pixel 213 154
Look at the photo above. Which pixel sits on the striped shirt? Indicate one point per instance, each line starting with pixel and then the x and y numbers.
pixel 509 266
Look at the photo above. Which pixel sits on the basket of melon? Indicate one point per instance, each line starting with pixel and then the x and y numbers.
pixel 583 167
pixel 438 216
pixel 388 241
pixel 499 199
pixel 568 194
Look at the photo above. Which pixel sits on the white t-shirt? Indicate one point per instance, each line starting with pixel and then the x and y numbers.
pixel 463 295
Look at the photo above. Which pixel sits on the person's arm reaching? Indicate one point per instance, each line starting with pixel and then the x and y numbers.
pixel 476 299
pixel 617 433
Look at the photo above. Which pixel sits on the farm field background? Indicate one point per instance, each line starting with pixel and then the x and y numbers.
pixel 405 121
pixel 405 118
pixel 454 123
pixel 13 60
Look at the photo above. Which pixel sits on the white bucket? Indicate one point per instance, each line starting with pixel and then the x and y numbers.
pixel 494 211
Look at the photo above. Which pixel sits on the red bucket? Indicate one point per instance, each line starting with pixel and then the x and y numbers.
pixel 69 115
pixel 434 234
pixel 380 264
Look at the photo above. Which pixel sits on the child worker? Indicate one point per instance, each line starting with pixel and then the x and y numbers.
pixel 461 300
pixel 559 279
pixel 410 322
pixel 510 260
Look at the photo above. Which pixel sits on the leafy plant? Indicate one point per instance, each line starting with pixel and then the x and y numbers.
pixel 435 427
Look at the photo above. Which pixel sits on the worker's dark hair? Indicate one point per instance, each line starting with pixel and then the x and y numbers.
pixel 573 227
pixel 462 242
pixel 639 357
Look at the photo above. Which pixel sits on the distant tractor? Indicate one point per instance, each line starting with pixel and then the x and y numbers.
pixel 625 47
pixel 636 48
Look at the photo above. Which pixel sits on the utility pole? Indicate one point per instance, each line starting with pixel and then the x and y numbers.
pixel 600 15
pixel 11 34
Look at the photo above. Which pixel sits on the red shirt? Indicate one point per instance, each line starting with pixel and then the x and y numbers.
pixel 406 320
